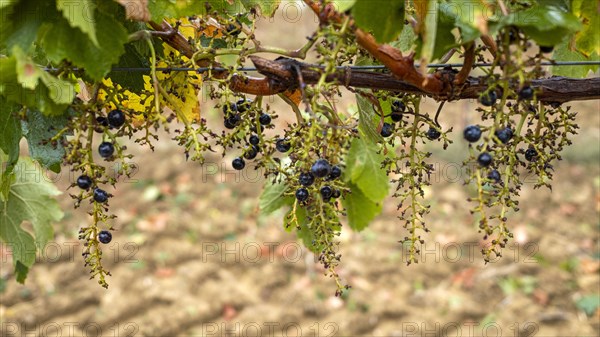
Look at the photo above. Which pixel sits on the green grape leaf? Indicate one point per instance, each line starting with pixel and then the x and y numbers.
pixel 80 14
pixel 20 23
pixel 429 31
pixel 406 40
pixel 29 75
pixel 444 39
pixel 61 41
pixel 384 18
pixel 343 5
pixel 39 98
pixel 132 80
pixel 160 9
pixel 299 218
pixel 467 16
pixel 562 53
pixel 30 198
pixel 588 39
pixel 360 209
pixel 10 128
pixel 38 129
pixel 272 197
pixel 5 3
pixel 368 118
pixel 546 25
pixel 10 135
pixel 364 169
pixel 266 7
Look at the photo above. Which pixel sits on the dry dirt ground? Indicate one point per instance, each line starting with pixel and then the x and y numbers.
pixel 192 256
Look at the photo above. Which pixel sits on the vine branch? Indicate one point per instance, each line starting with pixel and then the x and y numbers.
pixel 281 76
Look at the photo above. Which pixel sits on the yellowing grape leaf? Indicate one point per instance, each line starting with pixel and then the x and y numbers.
pixel 294 95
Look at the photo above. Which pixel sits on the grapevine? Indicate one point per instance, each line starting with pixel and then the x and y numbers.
pixel 331 166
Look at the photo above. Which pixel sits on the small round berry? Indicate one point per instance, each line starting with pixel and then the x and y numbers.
pixel 336 194
pixel 283 145
pixel 326 192
pixel 238 163
pixel 396 117
pixel 106 149
pixel 488 99
pixel 336 172
pixel 472 133
pixel 504 135
pixel 433 133
pixel 531 154
pixel 116 118
pixel 546 49
pixel 398 106
pixel 513 35
pixel 84 182
pixel 302 194
pixel 251 153
pixel 104 237
pixel 103 121
pixel 306 179
pixel 100 195
pixel 485 159
pixel 526 93
pixel 233 29
pixel 386 130
pixel 264 119
pixel 229 123
pixel 320 168
pixel 254 140
pixel 494 175
pixel 243 104
pixel 229 108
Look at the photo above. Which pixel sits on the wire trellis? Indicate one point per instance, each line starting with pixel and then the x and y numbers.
pixel 372 67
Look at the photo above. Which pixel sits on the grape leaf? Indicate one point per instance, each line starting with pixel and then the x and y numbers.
pixel 10 135
pixel 20 23
pixel 30 198
pixel 368 119
pixel 29 75
pixel 132 80
pixel 364 169
pixel 588 39
pixel 5 3
pixel 469 16
pixel 444 39
pixel 343 5
pixel 272 197
pixel 38 129
pixel 385 19
pixel 546 25
pixel 80 14
pixel 361 210
pixel 10 130
pixel 300 219
pixel 562 53
pixel 61 41
pixel 406 40
pixel 39 98
pixel 160 9
pixel 429 31
pixel 266 7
